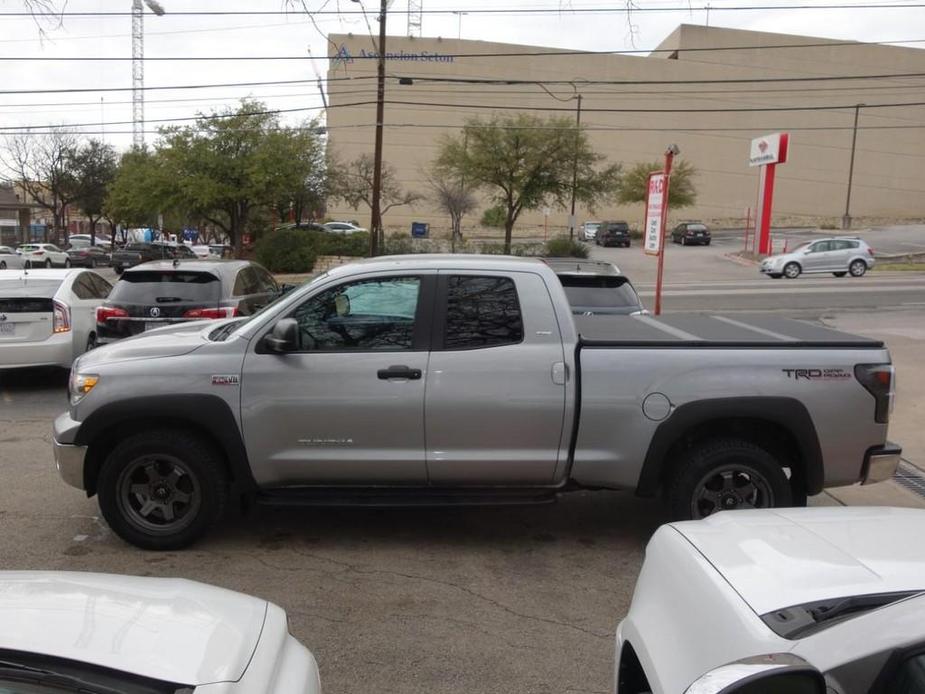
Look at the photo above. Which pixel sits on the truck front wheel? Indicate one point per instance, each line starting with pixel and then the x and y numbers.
pixel 162 490
pixel 725 475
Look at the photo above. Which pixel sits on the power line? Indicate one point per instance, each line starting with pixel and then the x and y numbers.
pixel 622 9
pixel 552 53
pixel 467 80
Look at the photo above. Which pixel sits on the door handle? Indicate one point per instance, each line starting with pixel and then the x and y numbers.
pixel 399 372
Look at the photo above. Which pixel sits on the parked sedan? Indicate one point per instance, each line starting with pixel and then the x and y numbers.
pixel 162 293
pixel 589 230
pixel 10 259
pixel 44 255
pixel 690 234
pixel 84 255
pixel 87 632
pixel 342 227
pixel 839 256
pixel 48 317
pixel 810 600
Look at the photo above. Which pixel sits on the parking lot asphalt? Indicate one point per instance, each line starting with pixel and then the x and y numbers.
pixel 477 600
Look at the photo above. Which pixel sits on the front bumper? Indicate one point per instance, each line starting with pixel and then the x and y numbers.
pixel 69 460
pixel 881 463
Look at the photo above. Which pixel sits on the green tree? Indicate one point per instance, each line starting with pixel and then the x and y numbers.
pixel 309 176
pixel 137 190
pixel 681 192
pixel 526 162
pixel 226 169
pixel 94 167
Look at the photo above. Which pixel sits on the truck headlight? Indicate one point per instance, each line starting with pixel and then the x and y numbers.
pixel 81 384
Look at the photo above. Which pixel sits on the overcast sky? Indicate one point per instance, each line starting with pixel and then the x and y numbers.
pixel 211 36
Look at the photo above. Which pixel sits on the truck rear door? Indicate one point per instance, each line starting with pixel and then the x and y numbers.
pixel 495 396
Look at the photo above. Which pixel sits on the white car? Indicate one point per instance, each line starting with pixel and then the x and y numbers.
pixel 85 238
pixel 589 230
pixel 48 317
pixel 43 255
pixel 783 600
pixel 10 259
pixel 343 227
pixel 88 632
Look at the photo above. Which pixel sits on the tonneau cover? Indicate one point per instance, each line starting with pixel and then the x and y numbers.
pixel 705 330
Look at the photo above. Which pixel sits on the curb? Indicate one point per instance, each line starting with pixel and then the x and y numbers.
pixel 738 260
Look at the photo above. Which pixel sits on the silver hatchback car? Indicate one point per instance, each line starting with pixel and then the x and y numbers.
pixel 840 256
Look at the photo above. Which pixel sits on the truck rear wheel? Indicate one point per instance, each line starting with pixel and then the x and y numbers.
pixel 725 475
pixel 162 489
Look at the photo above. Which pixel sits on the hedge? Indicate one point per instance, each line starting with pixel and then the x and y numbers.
pixel 295 250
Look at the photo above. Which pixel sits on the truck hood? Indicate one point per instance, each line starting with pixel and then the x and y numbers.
pixel 784 557
pixel 166 628
pixel 171 341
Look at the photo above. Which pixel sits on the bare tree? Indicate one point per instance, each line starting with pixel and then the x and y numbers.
pixel 353 183
pixel 454 197
pixel 42 166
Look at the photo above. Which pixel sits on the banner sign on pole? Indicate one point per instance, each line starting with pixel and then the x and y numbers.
pixel 655 200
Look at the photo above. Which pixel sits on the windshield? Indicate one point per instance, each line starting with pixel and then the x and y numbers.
pixel 593 292
pixel 166 286
pixel 618 227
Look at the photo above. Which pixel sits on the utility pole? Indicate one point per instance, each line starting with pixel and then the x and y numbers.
pixel 375 227
pixel 846 220
pixel 571 226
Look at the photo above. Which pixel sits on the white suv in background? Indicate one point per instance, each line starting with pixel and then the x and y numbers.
pixel 786 600
pixel 43 255
pixel 839 256
pixel 589 230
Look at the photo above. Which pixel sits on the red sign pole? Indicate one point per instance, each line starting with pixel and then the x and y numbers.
pixel 669 158
pixel 767 198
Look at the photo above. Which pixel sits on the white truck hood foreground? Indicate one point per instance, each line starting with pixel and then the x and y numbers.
pixel 785 557
pixel 168 629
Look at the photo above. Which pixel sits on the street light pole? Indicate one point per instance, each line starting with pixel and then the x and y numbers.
pixel 571 229
pixel 846 220
pixel 375 227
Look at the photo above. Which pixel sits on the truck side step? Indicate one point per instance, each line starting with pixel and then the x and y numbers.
pixel 403 497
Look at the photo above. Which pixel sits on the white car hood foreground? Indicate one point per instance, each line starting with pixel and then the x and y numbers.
pixel 785 557
pixel 168 629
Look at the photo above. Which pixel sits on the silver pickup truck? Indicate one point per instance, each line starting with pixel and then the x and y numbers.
pixel 425 380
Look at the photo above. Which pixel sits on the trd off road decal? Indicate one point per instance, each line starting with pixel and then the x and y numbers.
pixel 818 374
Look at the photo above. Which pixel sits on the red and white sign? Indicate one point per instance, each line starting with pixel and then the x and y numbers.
pixel 655 201
pixel 769 149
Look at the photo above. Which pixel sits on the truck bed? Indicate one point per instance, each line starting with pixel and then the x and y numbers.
pixel 712 331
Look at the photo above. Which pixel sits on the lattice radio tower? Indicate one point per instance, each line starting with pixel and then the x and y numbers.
pixel 415 17
pixel 138 67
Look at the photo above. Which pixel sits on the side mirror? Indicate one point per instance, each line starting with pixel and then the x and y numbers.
pixel 767 674
pixel 284 337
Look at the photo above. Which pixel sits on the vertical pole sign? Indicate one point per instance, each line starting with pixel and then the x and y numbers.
pixel 767 152
pixel 656 215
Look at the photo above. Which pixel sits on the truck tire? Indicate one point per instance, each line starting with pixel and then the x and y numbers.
pixel 162 489
pixel 726 474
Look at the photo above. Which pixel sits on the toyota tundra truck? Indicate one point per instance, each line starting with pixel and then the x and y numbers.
pixel 466 380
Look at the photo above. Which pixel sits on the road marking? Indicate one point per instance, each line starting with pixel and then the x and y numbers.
pixel 783 291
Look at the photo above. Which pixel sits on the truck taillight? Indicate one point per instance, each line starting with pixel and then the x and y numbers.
pixel 61 318
pixel 104 313
pixel 880 381
pixel 211 313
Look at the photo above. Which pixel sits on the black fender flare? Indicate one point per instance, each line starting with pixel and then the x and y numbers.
pixel 789 413
pixel 207 414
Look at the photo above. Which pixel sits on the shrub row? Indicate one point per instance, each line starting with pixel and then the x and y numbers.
pixel 295 250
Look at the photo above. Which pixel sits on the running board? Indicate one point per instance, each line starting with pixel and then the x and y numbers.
pixel 404 497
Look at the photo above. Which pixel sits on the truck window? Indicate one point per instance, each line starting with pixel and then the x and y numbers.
pixel 481 312
pixel 370 315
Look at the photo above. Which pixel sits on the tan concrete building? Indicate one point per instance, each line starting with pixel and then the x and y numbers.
pixel 702 89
